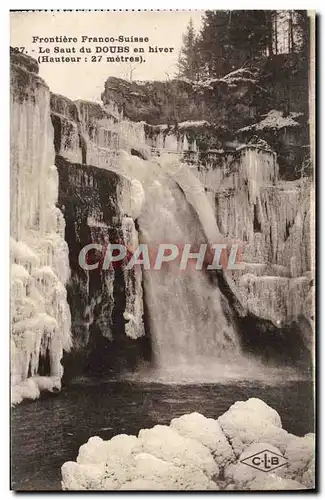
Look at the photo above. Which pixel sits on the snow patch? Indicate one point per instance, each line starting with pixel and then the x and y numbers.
pixel 193 453
pixel 208 432
pixel 274 119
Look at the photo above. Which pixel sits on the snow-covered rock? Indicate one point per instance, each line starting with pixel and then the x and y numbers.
pixel 141 485
pixel 275 119
pixel 276 483
pixel 169 476
pixel 137 198
pixel 208 432
pixel 31 388
pixel 167 444
pixel 300 453
pixel 121 463
pixel 27 389
pixel 252 421
pixel 197 453
pixel 242 475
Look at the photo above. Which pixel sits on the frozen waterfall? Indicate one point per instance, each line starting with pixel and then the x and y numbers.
pixel 40 315
pixel 188 316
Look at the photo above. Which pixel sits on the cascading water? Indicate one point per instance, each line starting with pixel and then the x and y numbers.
pixel 189 321
pixel 193 328
pixel 185 310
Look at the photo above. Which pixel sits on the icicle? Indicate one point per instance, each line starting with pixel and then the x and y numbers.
pixel 185 143
pixel 171 142
pixel 160 141
pixel 133 285
pixel 40 316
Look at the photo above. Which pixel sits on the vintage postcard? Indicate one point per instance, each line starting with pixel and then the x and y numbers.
pixel 162 251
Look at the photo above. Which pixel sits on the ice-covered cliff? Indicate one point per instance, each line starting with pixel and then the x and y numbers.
pixel 272 220
pixel 40 315
pixel 100 204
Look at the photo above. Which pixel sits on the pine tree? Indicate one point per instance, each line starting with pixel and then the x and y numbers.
pixel 229 39
pixel 188 62
pixel 214 43
pixel 301 29
pixel 249 35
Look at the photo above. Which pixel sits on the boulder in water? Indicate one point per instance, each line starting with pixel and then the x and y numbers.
pixel 197 453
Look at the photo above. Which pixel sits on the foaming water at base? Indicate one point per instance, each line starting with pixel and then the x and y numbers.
pixel 210 371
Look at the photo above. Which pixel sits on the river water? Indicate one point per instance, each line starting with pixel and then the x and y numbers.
pixel 48 432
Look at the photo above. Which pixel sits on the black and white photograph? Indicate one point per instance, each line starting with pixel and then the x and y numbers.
pixel 162 250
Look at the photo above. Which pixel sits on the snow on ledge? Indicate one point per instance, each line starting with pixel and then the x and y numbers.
pixel 197 453
pixel 274 120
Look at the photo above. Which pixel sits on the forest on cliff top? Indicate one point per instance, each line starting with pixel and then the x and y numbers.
pixel 233 39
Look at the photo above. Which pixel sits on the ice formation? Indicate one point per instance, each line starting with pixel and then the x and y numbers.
pixel 133 314
pixel 40 315
pixel 196 453
pixel 272 221
pixel 170 193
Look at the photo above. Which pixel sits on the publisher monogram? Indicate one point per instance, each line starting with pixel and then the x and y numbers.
pixel 265 461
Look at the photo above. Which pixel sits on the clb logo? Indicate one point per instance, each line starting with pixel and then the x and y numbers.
pixel 265 461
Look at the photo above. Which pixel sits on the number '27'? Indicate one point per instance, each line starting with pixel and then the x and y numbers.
pixel 17 49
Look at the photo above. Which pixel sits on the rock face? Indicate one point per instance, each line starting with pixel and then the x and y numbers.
pixel 106 304
pixel 197 453
pixel 84 132
pixel 100 206
pixel 179 100
pixel 230 107
pixel 40 315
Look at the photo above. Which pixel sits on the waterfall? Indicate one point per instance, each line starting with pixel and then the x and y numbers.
pixel 193 328
pixel 188 322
